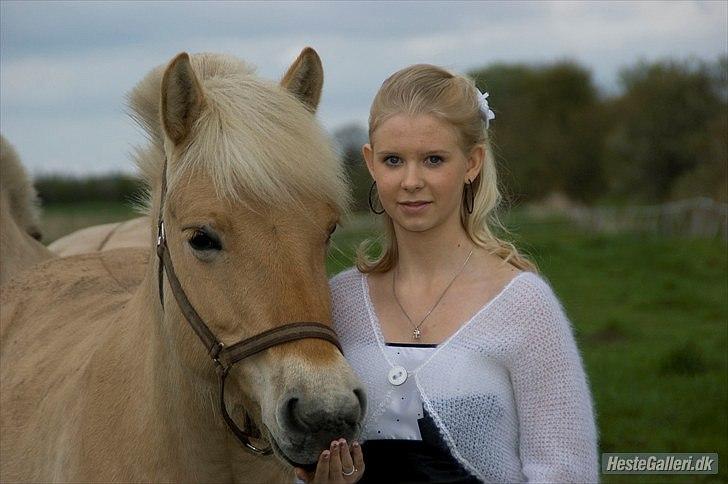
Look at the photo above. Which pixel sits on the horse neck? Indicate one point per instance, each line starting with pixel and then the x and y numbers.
pixel 176 386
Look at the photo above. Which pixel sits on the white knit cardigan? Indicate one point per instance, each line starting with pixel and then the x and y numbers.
pixel 507 391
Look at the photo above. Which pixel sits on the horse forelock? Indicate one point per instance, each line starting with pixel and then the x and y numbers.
pixel 253 139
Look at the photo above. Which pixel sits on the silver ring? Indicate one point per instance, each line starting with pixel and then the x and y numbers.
pixel 353 470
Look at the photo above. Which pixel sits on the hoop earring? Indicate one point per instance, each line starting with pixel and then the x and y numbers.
pixel 371 203
pixel 468 196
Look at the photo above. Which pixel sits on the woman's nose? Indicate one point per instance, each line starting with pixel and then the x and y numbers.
pixel 412 177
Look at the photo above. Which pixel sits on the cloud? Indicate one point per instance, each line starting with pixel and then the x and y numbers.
pixel 65 67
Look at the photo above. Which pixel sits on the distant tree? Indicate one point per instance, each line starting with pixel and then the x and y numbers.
pixel 113 187
pixel 350 139
pixel 662 137
pixel 669 133
pixel 548 129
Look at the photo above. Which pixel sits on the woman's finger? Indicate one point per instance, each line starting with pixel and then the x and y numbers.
pixel 347 463
pixel 358 457
pixel 335 462
pixel 322 467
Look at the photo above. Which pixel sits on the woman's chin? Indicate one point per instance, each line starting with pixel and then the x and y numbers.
pixel 413 225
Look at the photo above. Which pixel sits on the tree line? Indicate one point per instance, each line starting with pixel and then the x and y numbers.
pixel 663 136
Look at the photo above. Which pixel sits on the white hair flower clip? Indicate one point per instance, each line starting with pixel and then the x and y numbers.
pixel 485 111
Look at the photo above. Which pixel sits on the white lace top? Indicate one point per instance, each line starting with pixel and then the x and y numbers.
pixel 507 391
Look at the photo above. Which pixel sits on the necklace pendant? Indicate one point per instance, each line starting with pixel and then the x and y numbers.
pixel 416 334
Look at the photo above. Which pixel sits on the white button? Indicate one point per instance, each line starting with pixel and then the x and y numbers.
pixel 397 375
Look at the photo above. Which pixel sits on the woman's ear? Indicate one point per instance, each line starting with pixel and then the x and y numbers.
pixel 366 151
pixel 475 161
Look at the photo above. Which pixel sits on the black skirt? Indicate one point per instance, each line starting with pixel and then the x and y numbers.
pixel 413 461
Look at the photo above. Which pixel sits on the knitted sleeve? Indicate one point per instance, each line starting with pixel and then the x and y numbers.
pixel 557 432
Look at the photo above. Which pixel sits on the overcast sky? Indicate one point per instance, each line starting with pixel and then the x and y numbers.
pixel 65 66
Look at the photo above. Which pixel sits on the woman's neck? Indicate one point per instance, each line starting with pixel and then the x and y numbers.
pixel 433 254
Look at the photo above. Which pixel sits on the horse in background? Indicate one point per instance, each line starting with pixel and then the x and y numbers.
pixel 102 377
pixel 20 248
pixel 114 235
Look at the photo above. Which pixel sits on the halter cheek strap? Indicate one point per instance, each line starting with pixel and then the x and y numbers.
pixel 224 357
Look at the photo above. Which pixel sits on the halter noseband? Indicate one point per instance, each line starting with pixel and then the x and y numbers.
pixel 224 357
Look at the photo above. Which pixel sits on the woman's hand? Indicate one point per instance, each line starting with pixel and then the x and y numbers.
pixel 334 465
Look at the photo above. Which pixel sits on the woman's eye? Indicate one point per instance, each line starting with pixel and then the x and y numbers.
pixel 434 160
pixel 204 241
pixel 392 160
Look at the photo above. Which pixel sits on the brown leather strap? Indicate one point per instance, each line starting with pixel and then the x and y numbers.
pixel 225 357
pixel 161 235
pixel 230 355
pixel 249 431
pixel 212 345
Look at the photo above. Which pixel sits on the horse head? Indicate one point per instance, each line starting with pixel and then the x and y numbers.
pixel 253 191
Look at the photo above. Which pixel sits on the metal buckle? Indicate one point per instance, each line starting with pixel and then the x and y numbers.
pixel 161 234
pixel 220 369
pixel 215 353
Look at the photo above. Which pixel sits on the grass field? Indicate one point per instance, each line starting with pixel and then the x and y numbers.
pixel 650 316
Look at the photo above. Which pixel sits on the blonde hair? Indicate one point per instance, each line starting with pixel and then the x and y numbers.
pixel 427 89
pixel 255 140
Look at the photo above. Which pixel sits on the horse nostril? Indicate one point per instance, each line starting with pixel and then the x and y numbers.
pixel 333 415
pixel 291 409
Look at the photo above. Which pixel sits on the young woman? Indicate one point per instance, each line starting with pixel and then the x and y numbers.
pixel 470 364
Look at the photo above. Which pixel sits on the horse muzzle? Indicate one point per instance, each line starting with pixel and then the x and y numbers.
pixel 306 425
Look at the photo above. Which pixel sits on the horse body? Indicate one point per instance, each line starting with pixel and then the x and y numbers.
pixel 115 235
pixel 140 418
pixel 100 381
pixel 68 348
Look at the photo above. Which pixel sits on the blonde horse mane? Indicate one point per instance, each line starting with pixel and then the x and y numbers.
pixel 265 161
pixel 16 185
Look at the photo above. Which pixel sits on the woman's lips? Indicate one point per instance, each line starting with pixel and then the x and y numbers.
pixel 413 207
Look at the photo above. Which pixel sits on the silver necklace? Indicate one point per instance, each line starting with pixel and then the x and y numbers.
pixel 416 332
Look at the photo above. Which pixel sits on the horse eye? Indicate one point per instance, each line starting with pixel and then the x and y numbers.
pixel 203 241
pixel 331 232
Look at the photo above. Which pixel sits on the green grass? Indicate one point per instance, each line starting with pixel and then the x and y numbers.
pixel 650 316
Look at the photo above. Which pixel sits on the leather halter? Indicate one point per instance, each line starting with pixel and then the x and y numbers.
pixel 224 357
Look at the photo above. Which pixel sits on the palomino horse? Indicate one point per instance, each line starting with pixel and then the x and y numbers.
pixel 19 218
pixel 103 375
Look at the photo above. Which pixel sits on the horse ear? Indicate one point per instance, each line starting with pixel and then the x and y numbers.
pixel 182 98
pixel 305 78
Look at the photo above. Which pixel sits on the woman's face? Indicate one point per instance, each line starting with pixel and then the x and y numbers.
pixel 420 170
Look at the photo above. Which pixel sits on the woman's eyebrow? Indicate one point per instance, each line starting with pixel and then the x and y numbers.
pixel 437 152
pixel 427 153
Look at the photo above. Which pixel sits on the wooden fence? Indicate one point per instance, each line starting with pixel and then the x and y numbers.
pixel 695 217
